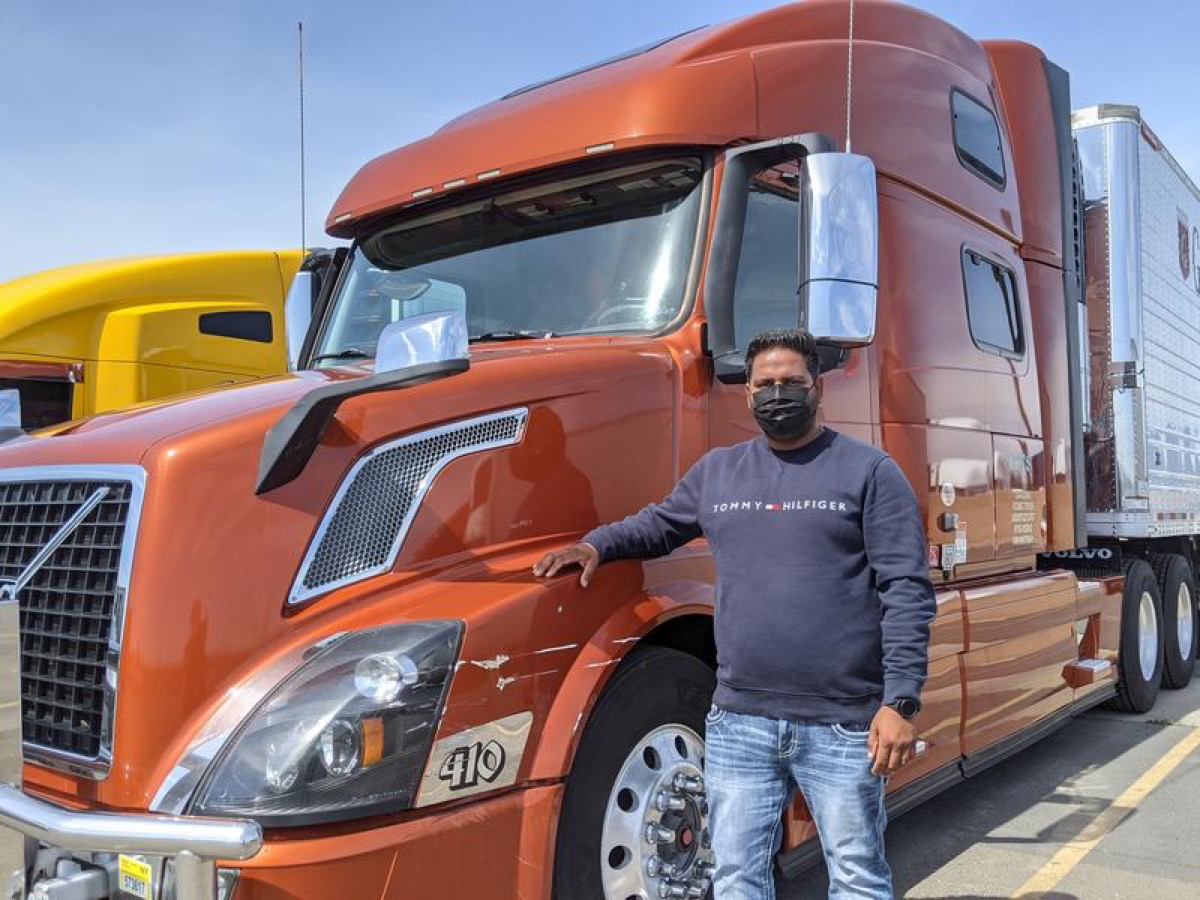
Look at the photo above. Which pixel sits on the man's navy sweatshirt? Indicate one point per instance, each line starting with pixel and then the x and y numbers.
pixel 823 600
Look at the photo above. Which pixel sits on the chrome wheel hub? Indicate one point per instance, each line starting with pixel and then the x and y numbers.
pixel 1148 635
pixel 1183 621
pixel 655 841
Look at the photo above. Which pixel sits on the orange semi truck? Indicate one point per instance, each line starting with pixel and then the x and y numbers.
pixel 282 639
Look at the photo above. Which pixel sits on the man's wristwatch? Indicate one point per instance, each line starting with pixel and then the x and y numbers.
pixel 908 707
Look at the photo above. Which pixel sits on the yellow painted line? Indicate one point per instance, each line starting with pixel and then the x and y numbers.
pixel 1072 853
pixel 7 705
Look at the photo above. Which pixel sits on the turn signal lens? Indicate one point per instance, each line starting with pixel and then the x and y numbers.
pixel 372 741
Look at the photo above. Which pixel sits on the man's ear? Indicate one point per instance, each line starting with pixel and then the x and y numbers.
pixel 749 396
pixel 819 389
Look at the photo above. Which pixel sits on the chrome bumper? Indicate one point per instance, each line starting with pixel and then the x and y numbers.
pixel 193 844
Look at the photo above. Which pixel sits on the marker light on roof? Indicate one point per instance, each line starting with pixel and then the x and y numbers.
pixel 343 217
pixel 457 182
pixel 599 148
pixel 490 173
pixel 423 192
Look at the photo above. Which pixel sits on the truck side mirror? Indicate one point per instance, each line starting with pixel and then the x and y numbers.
pixel 839 248
pixel 307 298
pixel 741 164
pixel 297 314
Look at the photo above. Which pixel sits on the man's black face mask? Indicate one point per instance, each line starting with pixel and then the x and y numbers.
pixel 784 411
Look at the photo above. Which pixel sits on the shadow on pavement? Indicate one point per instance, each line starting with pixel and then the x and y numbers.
pixel 925 840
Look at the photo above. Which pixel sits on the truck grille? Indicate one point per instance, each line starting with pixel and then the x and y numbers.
pixel 361 533
pixel 69 607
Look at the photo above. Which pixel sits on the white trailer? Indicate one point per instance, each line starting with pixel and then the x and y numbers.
pixel 1142 271
pixel 1141 371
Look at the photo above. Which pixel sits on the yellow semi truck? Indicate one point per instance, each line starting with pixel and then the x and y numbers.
pixel 105 335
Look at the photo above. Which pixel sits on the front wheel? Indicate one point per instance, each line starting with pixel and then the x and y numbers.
pixel 634 821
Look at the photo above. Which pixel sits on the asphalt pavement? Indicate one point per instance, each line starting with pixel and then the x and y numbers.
pixel 1103 809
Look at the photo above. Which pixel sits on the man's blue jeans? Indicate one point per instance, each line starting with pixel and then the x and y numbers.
pixel 751 764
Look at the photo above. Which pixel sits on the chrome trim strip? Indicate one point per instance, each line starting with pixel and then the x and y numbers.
pixel 87 831
pixel 1141 525
pixel 300 594
pixel 96 768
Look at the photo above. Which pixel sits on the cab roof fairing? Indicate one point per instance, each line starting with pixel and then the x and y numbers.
pixel 697 89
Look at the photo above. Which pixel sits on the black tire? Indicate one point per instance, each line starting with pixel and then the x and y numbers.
pixel 655 686
pixel 1174 574
pixel 1135 692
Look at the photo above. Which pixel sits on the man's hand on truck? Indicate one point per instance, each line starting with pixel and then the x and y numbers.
pixel 584 555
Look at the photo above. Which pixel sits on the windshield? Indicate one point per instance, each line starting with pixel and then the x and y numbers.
pixel 601 253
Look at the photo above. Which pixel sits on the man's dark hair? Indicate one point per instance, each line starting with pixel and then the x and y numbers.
pixel 796 339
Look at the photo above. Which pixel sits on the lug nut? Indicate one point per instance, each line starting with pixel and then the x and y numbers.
pixel 672 889
pixel 697 891
pixel 705 870
pixel 659 834
pixel 688 784
pixel 667 801
pixel 657 867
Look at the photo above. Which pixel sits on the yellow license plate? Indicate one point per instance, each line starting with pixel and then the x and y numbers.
pixel 136 877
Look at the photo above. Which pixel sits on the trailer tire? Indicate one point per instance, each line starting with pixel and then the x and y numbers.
pixel 1140 663
pixel 1181 627
pixel 656 688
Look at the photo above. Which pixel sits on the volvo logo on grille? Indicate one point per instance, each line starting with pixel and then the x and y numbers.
pixel 10 587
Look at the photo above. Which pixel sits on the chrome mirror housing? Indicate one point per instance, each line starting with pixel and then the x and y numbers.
pixel 418 340
pixel 839 248
pixel 297 314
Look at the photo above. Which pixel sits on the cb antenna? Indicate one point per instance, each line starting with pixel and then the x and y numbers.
pixel 849 72
pixel 300 44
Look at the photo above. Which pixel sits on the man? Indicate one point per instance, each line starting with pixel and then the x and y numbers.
pixel 822 624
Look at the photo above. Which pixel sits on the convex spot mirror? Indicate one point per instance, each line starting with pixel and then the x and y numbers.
pixel 839 248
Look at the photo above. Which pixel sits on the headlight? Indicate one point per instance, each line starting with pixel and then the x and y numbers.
pixel 346 735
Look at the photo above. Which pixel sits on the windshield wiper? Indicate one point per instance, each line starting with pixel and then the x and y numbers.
pixel 522 335
pixel 348 353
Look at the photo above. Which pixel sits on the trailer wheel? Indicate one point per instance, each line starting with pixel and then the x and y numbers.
pixel 1140 665
pixel 1181 627
pixel 634 819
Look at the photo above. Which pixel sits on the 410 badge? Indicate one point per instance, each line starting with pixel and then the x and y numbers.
pixel 482 758
pixel 467 766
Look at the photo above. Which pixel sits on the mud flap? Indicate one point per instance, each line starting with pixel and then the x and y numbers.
pixel 12 844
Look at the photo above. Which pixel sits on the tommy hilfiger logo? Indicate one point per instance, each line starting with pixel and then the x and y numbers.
pixel 785 506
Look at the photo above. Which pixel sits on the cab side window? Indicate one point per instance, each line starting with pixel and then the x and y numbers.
pixel 768 268
pixel 977 138
pixel 993 314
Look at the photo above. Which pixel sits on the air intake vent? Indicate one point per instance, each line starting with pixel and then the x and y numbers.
pixel 365 526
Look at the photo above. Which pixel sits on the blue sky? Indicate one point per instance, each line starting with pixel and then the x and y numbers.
pixel 152 127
